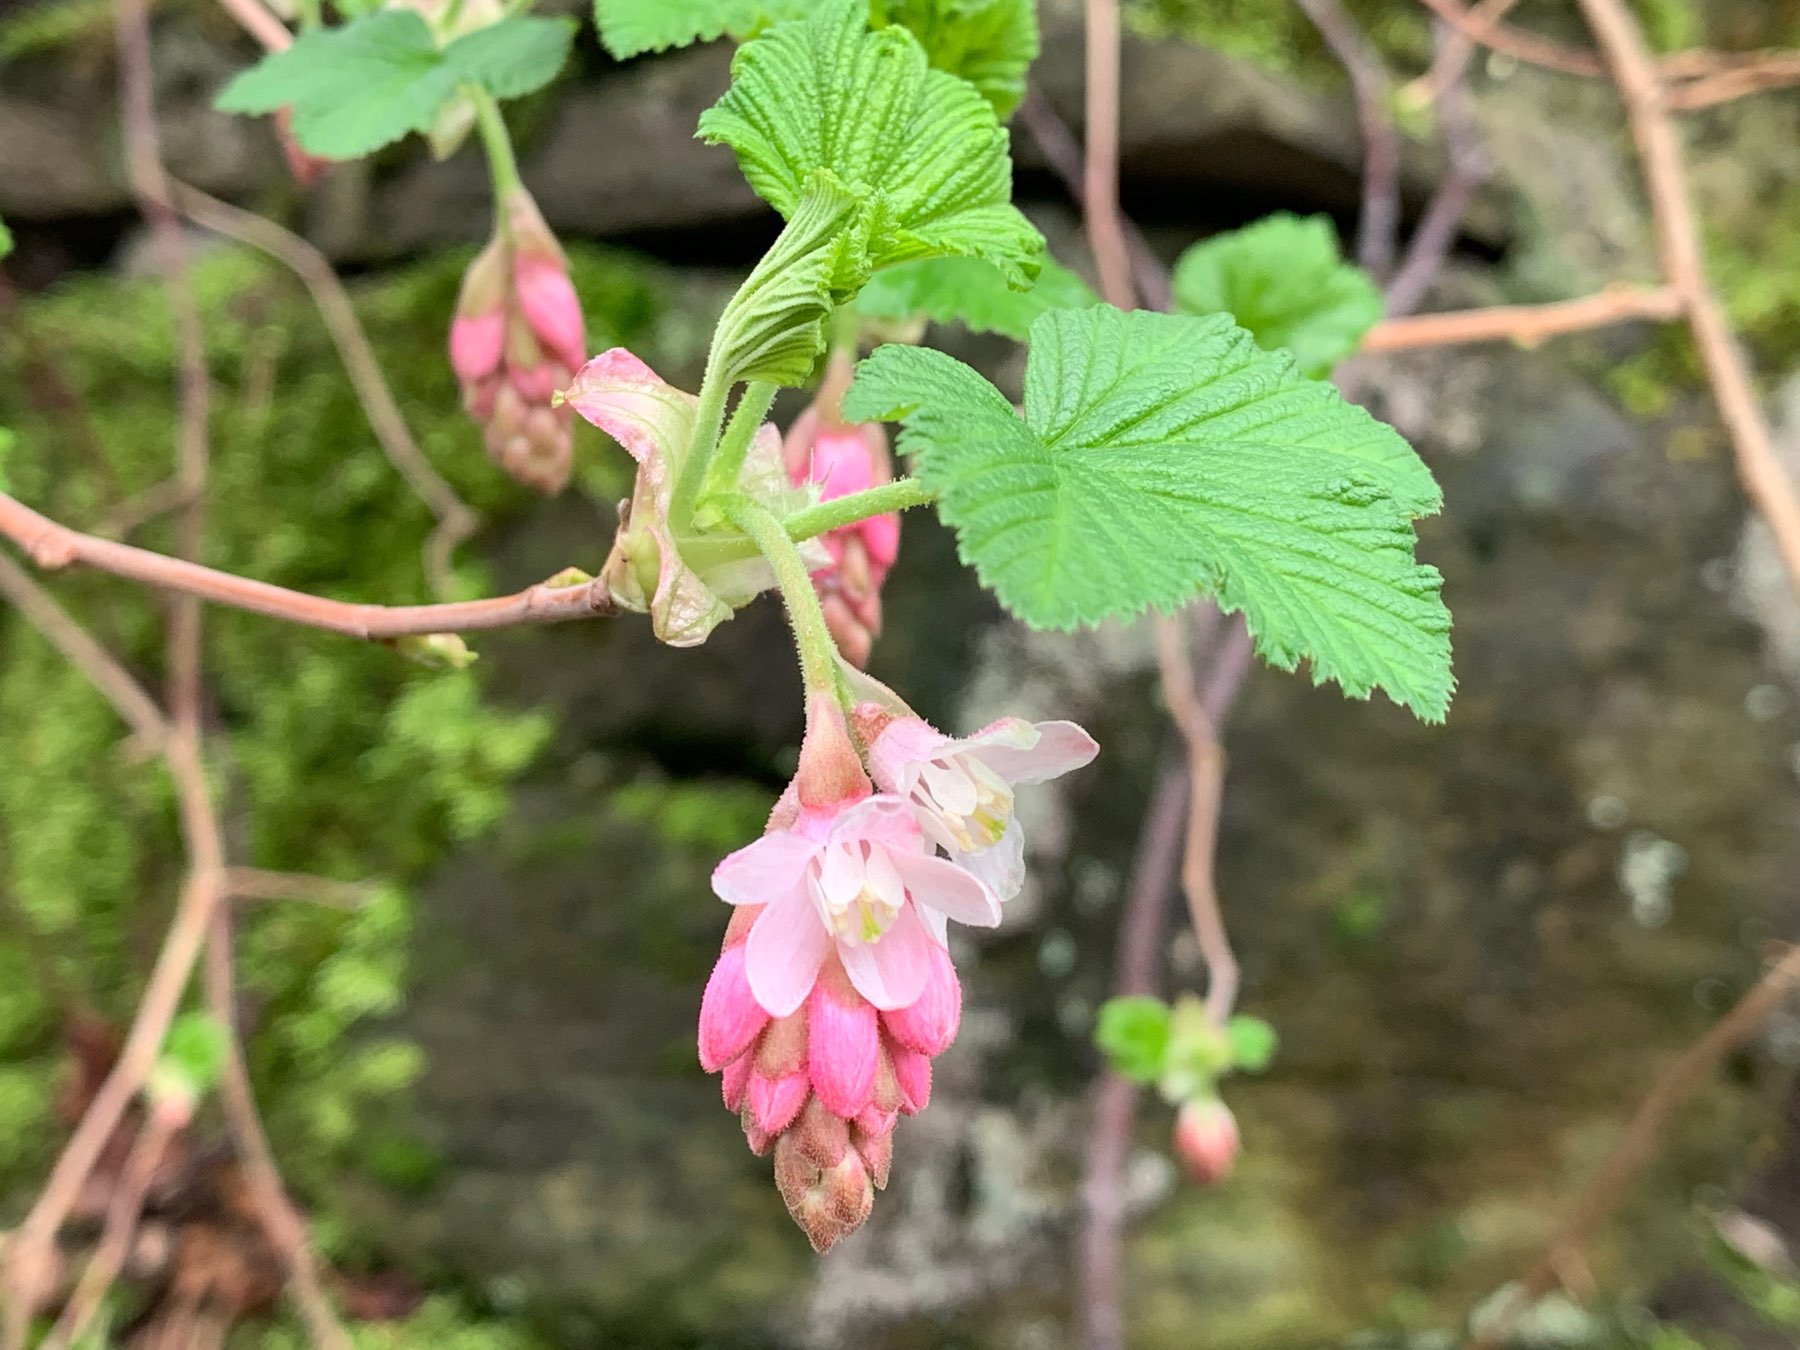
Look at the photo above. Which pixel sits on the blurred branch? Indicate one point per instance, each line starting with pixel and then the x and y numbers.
pixel 1765 479
pixel 1642 1141
pixel 51 546
pixel 85 653
pixel 1378 231
pixel 456 521
pixel 1454 51
pixel 1524 324
pixel 254 883
pixel 260 23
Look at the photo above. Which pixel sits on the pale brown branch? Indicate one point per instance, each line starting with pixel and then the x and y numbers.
pixel 125 1207
pixel 51 545
pixel 1770 71
pixel 1642 1140
pixel 259 23
pixel 1452 58
pixel 255 883
pixel 1378 231
pixel 86 654
pixel 1100 175
pixel 1526 325
pixel 1766 481
pixel 456 520
pixel 282 1222
pixel 1531 48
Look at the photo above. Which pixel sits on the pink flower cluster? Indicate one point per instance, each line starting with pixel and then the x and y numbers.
pixel 517 339
pixel 835 988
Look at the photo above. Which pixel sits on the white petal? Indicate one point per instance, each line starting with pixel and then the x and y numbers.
pixel 787 946
pixel 764 872
pixel 938 883
pixel 1060 748
pixel 1002 865
pixel 890 972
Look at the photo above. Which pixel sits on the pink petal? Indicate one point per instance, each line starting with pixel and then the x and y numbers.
pixel 774 1102
pixel 881 534
pixel 872 1120
pixel 1002 864
pixel 730 1017
pixel 937 883
pixel 841 463
pixel 785 949
pixel 843 1049
pixel 880 819
pixel 928 1025
pixel 891 972
pixel 1058 748
pixel 914 1072
pixel 897 753
pixel 763 872
pixel 475 341
pixel 628 401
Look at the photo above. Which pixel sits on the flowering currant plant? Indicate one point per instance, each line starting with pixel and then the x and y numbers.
pixel 1156 458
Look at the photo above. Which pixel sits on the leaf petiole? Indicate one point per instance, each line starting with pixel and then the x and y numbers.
pixel 709 417
pixel 503 164
pixel 899 495
pixel 746 421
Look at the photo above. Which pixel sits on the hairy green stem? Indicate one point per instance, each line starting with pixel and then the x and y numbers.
pixel 502 163
pixel 734 446
pixel 819 667
pixel 855 506
pixel 709 416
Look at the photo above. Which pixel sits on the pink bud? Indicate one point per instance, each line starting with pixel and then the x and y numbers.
pixel 930 1024
pixel 475 344
pixel 730 1017
pixel 547 298
pixel 1206 1140
pixel 913 1072
pixel 305 168
pixel 844 1049
pixel 830 772
pixel 734 1082
pixel 774 1103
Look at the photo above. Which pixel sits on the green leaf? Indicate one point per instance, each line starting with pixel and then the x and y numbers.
pixel 1162 456
pixel 1253 1043
pixel 6 445
pixel 989 43
pixel 6 243
pixel 1283 279
pixel 921 148
pixel 1133 1034
pixel 972 293
pixel 193 1055
pixel 631 27
pixel 357 88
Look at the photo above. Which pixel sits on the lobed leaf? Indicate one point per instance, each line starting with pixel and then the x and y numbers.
pixel 922 148
pixel 356 88
pixel 989 43
pixel 1133 1033
pixel 632 27
pixel 1162 456
pixel 1284 280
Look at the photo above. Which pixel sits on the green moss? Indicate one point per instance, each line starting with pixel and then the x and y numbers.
pixel 328 755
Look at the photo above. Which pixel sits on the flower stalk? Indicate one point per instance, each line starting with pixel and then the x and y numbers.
pixel 819 667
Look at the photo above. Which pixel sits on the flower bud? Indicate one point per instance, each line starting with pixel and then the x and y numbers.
pixel 1206 1140
pixel 516 340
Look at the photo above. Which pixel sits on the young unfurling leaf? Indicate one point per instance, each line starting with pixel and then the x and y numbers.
pixel 357 88
pixel 1162 456
pixel 1283 279
pixel 1133 1033
pixel 989 43
pixel 972 293
pixel 920 147
pixel 6 243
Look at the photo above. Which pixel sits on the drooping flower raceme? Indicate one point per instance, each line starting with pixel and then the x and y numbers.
pixel 835 988
pixel 961 790
pixel 841 460
pixel 517 339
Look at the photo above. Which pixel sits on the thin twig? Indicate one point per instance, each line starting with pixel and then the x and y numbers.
pixel 1766 481
pixel 1438 228
pixel 82 651
pixel 259 23
pixel 1378 231
pixel 1141 928
pixel 51 545
pixel 123 1210
pixel 1530 48
pixel 1525 324
pixel 456 520
pixel 1100 165
pixel 1453 53
pixel 255 883
pixel 1767 71
pixel 1642 1140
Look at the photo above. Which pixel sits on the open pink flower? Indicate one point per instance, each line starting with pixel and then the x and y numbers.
pixel 860 881
pixel 961 790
